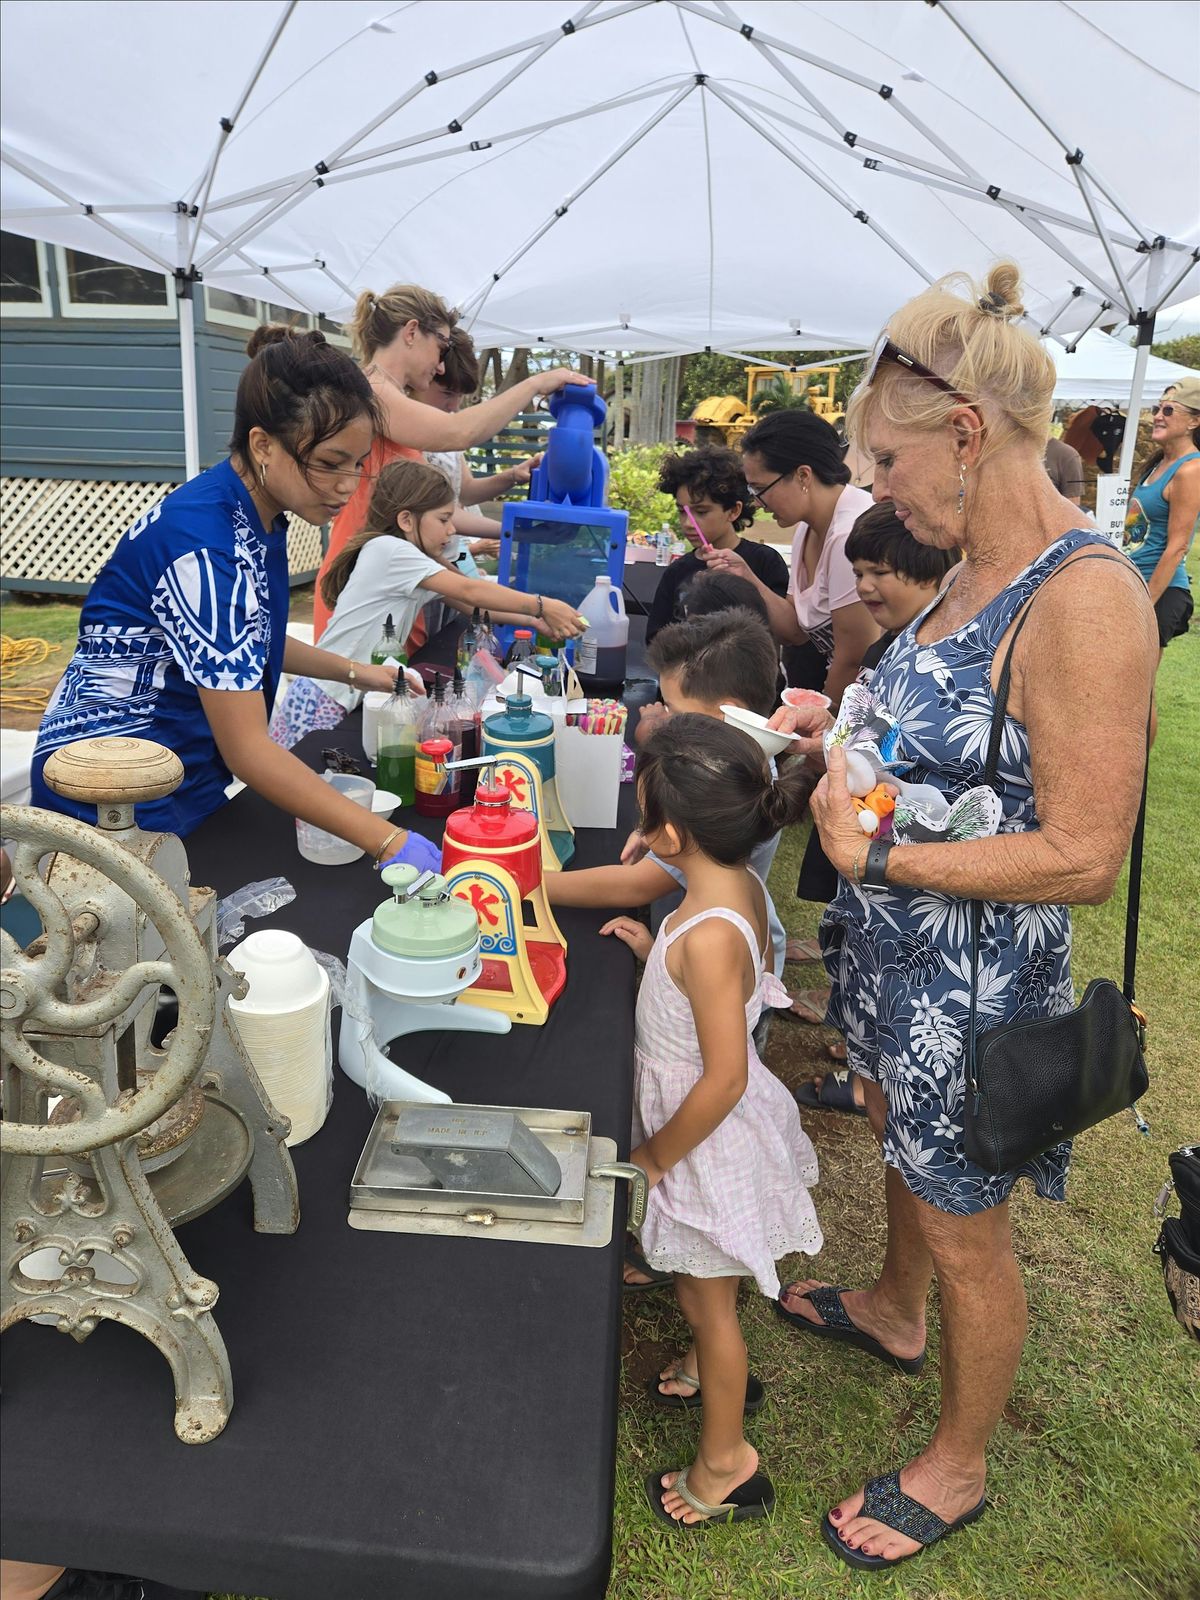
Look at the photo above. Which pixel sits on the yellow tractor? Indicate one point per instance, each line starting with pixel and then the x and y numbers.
pixel 724 419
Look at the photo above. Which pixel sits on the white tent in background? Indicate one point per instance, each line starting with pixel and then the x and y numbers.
pixel 1099 371
pixel 636 176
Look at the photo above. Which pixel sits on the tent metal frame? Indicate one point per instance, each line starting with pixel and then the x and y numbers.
pixel 202 244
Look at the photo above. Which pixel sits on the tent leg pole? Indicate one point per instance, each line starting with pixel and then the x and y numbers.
pixel 187 361
pixel 1129 442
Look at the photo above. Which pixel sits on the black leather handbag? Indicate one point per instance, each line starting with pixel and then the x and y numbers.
pixel 1031 1084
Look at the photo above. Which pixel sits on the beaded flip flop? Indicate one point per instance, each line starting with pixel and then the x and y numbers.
pixel 836 1324
pixel 885 1501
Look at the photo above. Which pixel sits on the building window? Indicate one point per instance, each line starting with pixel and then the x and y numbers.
pixel 333 331
pixel 94 286
pixel 243 311
pixel 24 281
pixel 238 310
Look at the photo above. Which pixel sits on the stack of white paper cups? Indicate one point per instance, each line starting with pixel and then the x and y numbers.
pixel 284 1025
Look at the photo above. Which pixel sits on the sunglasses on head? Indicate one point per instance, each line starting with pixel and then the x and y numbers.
pixel 889 351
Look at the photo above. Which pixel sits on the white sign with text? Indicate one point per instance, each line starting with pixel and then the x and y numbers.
pixel 1112 502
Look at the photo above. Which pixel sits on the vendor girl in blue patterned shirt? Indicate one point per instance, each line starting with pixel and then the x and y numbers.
pixel 183 636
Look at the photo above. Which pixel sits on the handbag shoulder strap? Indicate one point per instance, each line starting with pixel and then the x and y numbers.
pixel 1133 904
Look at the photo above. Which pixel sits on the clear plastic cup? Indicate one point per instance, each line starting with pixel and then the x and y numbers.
pixel 326 849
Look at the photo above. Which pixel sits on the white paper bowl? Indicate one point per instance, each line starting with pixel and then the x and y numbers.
pixel 769 740
pixel 384 802
pixel 281 971
pixel 798 698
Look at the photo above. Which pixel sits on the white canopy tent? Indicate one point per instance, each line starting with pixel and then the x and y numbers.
pixel 1099 370
pixel 635 176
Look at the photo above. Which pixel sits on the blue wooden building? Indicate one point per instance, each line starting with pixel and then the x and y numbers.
pixel 91 404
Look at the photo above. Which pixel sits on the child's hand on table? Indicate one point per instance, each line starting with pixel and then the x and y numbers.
pixel 632 933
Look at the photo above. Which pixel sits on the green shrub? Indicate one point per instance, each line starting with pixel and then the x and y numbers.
pixel 633 487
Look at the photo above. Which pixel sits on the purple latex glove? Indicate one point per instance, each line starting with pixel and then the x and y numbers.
pixel 417 851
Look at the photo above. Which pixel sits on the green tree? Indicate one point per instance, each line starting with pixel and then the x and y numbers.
pixel 777 395
pixel 1186 350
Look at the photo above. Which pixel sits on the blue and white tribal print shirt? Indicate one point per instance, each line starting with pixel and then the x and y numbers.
pixel 195 596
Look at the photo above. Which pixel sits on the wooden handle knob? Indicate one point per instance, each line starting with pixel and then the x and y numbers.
pixel 113 770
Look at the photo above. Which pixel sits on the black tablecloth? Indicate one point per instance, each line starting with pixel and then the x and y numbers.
pixel 412 1416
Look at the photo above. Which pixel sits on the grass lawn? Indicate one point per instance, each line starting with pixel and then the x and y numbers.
pixel 1095 1468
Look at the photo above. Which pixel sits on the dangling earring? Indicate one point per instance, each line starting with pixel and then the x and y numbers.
pixel 262 476
pixel 962 487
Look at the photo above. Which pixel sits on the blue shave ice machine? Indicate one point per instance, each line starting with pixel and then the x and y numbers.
pixel 560 540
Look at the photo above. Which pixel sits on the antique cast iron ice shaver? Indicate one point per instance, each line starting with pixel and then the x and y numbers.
pixel 144 1136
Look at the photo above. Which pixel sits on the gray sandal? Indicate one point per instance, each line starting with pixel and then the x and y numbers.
pixel 756 1395
pixel 754 1498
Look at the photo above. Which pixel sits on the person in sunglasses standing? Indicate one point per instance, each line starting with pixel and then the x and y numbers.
pixel 956 412
pixel 795 469
pixel 1165 507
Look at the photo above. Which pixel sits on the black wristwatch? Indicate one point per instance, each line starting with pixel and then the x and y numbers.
pixel 875 871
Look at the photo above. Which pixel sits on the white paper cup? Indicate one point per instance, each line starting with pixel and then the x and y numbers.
pixel 281 970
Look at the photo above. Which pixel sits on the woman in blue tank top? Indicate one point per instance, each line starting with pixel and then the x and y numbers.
pixel 1164 508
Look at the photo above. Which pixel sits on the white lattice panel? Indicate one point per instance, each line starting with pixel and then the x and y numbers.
pixel 63 530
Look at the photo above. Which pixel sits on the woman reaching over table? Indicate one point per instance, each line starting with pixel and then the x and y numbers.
pixel 955 410
pixel 183 636
pixel 402 338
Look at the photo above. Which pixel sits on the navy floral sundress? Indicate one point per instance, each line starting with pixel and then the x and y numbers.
pixel 900 959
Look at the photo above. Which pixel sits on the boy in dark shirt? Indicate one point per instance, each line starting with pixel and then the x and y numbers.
pixel 710 483
pixel 896 576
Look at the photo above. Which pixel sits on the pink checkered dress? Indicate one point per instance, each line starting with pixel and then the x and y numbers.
pixel 739 1201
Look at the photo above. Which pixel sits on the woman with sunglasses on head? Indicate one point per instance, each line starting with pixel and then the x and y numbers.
pixel 1165 506
pixel 956 413
pixel 794 467
pixel 402 338
pixel 183 636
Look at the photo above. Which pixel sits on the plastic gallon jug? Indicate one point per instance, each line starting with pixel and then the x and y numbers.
pixel 600 653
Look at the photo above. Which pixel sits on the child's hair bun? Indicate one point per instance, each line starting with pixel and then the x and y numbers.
pixel 276 332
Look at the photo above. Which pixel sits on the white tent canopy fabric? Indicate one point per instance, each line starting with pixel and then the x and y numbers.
pixel 642 175
pixel 1100 370
pixel 663 176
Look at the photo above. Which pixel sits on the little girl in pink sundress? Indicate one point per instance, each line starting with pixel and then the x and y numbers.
pixel 718 1135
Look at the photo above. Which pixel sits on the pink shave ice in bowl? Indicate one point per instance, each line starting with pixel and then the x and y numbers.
pixel 803 698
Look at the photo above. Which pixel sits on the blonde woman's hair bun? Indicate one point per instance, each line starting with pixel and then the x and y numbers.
pixel 1002 292
pixel 964 331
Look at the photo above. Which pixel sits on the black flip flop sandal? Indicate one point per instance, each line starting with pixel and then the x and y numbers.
pixel 754 1498
pixel 836 1325
pixel 635 1259
pixel 833 1095
pixel 756 1395
pixel 886 1502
